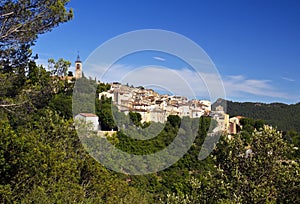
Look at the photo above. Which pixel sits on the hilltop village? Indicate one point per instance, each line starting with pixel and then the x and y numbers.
pixel 155 107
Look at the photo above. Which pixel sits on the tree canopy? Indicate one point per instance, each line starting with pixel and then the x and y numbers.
pixel 23 20
pixel 20 24
pixel 260 172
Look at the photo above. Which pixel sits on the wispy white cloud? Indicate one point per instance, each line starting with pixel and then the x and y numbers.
pixel 288 79
pixel 107 73
pixel 187 82
pixel 159 59
pixel 184 81
pixel 239 85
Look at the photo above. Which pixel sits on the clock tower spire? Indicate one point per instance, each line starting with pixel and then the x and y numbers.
pixel 78 67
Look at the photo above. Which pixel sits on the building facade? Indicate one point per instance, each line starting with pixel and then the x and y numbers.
pixel 89 119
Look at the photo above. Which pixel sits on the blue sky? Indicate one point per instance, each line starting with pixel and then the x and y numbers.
pixel 255 45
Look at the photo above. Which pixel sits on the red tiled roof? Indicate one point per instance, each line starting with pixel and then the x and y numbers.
pixel 88 114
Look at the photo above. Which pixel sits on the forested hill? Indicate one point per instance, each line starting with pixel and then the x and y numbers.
pixel 284 117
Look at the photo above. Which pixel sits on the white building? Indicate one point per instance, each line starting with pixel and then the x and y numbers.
pixel 89 118
pixel 184 110
pixel 120 96
pixel 158 116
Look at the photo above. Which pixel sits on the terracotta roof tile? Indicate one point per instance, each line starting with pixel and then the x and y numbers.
pixel 88 114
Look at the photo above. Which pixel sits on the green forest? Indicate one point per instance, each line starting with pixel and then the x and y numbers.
pixel 42 159
pixel 283 116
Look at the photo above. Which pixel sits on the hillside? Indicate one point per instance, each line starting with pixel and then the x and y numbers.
pixel 283 116
pixel 49 156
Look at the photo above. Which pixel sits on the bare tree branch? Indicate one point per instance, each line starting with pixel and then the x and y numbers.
pixel 12 104
pixel 7 14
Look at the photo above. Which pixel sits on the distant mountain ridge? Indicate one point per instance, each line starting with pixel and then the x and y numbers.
pixel 283 116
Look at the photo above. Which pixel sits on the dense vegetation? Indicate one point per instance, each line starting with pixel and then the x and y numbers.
pixel 42 159
pixel 283 116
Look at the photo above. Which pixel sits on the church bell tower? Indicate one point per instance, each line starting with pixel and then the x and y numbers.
pixel 78 68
